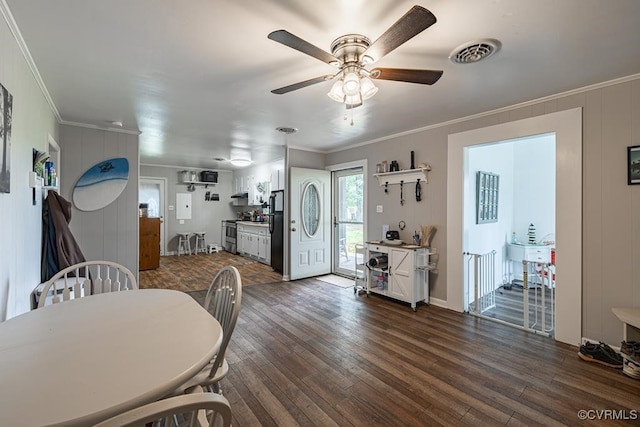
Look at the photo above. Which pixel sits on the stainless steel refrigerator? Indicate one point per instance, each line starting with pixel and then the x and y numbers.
pixel 276 229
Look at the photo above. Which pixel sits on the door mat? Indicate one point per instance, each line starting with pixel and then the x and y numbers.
pixel 343 282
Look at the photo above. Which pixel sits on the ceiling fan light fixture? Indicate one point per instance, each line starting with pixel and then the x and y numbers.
pixel 367 88
pixel 337 93
pixel 353 101
pixel 351 85
pixel 240 162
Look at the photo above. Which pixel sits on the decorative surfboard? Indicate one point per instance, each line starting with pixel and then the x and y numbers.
pixel 101 184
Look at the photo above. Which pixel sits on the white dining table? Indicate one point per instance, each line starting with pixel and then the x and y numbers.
pixel 85 360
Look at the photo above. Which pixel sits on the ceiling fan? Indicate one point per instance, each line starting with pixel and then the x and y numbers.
pixel 351 54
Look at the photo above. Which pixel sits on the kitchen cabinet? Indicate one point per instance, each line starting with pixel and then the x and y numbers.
pixel 254 241
pixel 264 251
pixel 277 179
pixel 149 243
pixel 401 272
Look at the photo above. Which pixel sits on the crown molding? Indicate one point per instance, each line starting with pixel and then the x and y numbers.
pixel 184 167
pixel 89 126
pixel 311 150
pixel 17 35
pixel 496 111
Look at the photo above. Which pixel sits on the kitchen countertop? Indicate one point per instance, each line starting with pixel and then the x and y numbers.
pixel 254 223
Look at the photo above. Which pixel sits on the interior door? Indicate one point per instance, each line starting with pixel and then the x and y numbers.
pixel 310 223
pixel 152 192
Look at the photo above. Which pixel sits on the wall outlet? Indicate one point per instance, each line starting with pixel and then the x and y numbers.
pixel 182 221
pixel 379 209
pixel 171 207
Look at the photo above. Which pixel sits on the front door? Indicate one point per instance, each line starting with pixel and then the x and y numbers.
pixel 310 223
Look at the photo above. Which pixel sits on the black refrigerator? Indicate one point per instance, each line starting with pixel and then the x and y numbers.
pixel 276 229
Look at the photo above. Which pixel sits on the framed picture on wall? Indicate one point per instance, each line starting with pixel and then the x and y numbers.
pixel 633 165
pixel 486 197
pixel 6 114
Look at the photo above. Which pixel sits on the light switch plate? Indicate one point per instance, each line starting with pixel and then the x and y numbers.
pixel 379 209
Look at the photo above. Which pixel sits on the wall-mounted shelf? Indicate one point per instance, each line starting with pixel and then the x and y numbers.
pixel 406 176
pixel 206 184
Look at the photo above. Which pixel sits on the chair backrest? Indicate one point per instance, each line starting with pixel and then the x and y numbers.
pixel 191 409
pixel 223 302
pixel 86 278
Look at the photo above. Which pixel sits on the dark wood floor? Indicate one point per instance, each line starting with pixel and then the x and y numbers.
pixel 312 354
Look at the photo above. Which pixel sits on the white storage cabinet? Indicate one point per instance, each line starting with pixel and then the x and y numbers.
pixel 406 277
pixel 517 253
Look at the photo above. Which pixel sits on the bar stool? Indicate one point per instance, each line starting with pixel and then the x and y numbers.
pixel 184 246
pixel 201 245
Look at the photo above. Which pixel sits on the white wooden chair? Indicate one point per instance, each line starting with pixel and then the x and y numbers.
pixel 223 302
pixel 83 279
pixel 197 409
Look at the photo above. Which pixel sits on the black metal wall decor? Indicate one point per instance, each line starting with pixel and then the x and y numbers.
pixel 487 185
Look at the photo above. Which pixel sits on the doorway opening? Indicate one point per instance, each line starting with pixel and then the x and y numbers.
pixel 152 192
pixel 509 218
pixel 567 126
pixel 348 218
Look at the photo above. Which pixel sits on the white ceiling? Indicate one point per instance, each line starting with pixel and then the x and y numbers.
pixel 194 77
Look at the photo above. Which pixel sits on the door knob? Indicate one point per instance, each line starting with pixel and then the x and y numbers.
pixel 293 229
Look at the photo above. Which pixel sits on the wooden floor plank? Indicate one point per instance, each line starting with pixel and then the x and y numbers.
pixel 309 353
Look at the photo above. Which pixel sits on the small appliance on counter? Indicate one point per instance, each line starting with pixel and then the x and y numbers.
pixel 392 237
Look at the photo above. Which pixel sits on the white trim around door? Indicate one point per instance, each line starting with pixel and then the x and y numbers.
pixel 567 126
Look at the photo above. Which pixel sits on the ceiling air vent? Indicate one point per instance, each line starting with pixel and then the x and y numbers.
pixel 474 51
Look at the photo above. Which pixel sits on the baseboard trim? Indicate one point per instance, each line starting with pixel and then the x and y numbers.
pixel 438 302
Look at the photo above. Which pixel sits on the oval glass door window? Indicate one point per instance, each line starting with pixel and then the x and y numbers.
pixel 310 210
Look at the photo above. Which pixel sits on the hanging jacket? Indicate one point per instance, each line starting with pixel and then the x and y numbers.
pixel 62 250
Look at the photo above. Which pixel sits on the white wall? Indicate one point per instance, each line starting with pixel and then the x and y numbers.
pixel 20 221
pixel 497 159
pixel 534 192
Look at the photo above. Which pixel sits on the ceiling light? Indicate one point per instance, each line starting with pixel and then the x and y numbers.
pixel 353 101
pixel 367 88
pixel 240 162
pixel 352 89
pixel 351 84
pixel 337 93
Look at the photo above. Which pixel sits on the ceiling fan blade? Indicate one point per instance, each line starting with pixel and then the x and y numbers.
pixel 300 85
pixel 415 21
pixel 424 77
pixel 295 42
